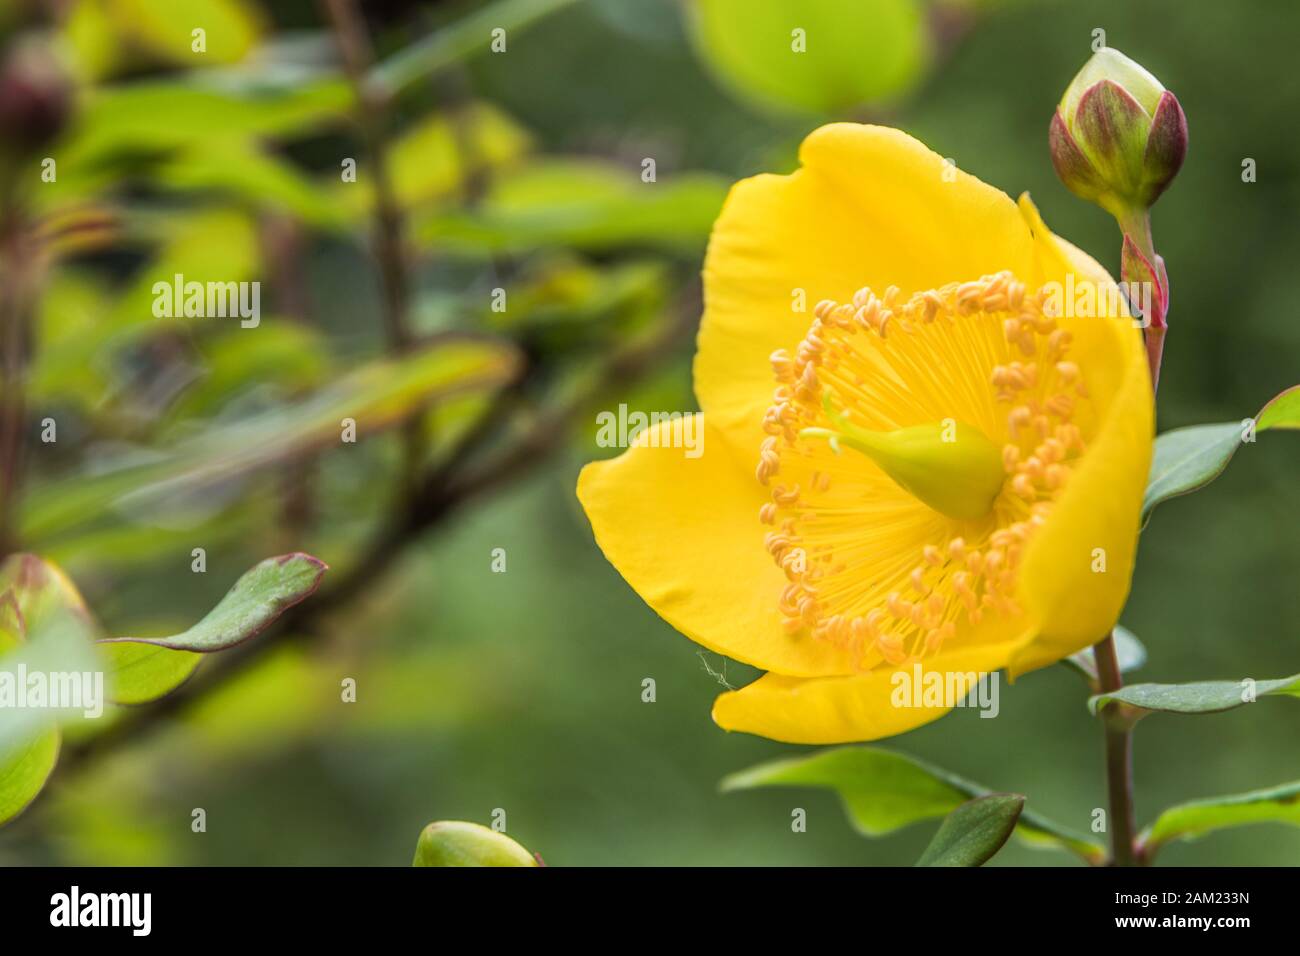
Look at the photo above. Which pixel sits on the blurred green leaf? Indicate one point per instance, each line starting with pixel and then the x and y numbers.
pixel 231 27
pixel 586 204
pixel 883 791
pixel 375 396
pixel 290 695
pixel 210 244
pixel 83 327
pixel 1202 697
pixel 292 357
pixel 24 766
pixel 44 597
pixel 260 596
pixel 151 116
pixel 137 673
pixel 973 833
pixel 1129 651
pixel 23 772
pixel 1190 458
pixel 436 157
pixel 852 53
pixel 71 314
pixel 55 637
pixel 455 843
pixel 253 174
pixel 87 30
pixel 575 304
pixel 1193 819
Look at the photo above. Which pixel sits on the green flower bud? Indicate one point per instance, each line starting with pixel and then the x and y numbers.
pixel 454 843
pixel 1118 137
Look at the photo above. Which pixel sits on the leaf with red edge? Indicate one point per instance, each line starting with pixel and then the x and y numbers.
pixel 252 605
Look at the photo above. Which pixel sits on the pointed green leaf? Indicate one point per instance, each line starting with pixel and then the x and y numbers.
pixel 23 772
pixel 1129 651
pixel 1187 821
pixel 1202 697
pixel 137 673
pixel 883 791
pixel 973 833
pixel 257 599
pixel 1282 412
pixel 1190 458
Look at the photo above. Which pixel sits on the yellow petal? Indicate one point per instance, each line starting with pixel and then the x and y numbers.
pixel 869 206
pixel 834 710
pixel 684 533
pixel 1094 523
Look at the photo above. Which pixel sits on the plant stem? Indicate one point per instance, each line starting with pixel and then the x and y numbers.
pixel 371 111
pixel 1119 759
pixel 16 303
pixel 371 108
pixel 1137 227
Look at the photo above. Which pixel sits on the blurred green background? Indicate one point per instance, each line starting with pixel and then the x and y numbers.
pixel 522 691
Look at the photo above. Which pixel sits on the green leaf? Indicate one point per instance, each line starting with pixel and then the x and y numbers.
pixel 43 597
pixel 1190 458
pixel 455 843
pixel 883 791
pixel 231 28
pixel 853 53
pixel 149 116
pixel 1129 651
pixel 436 157
pixel 257 599
pixel 23 772
pixel 973 833
pixel 255 175
pixel 376 396
pixel 137 673
pixel 1202 697
pixel 293 357
pixel 583 204
pixel 56 644
pixel 1187 821
pixel 1282 412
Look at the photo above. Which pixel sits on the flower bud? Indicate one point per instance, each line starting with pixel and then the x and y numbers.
pixel 453 843
pixel 35 96
pixel 1118 137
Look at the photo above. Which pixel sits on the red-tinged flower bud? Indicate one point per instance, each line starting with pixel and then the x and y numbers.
pixel 35 96
pixel 1118 137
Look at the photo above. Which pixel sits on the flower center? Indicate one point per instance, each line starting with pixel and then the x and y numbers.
pixel 969 418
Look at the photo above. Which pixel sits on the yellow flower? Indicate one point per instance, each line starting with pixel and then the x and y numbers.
pixel 952 440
